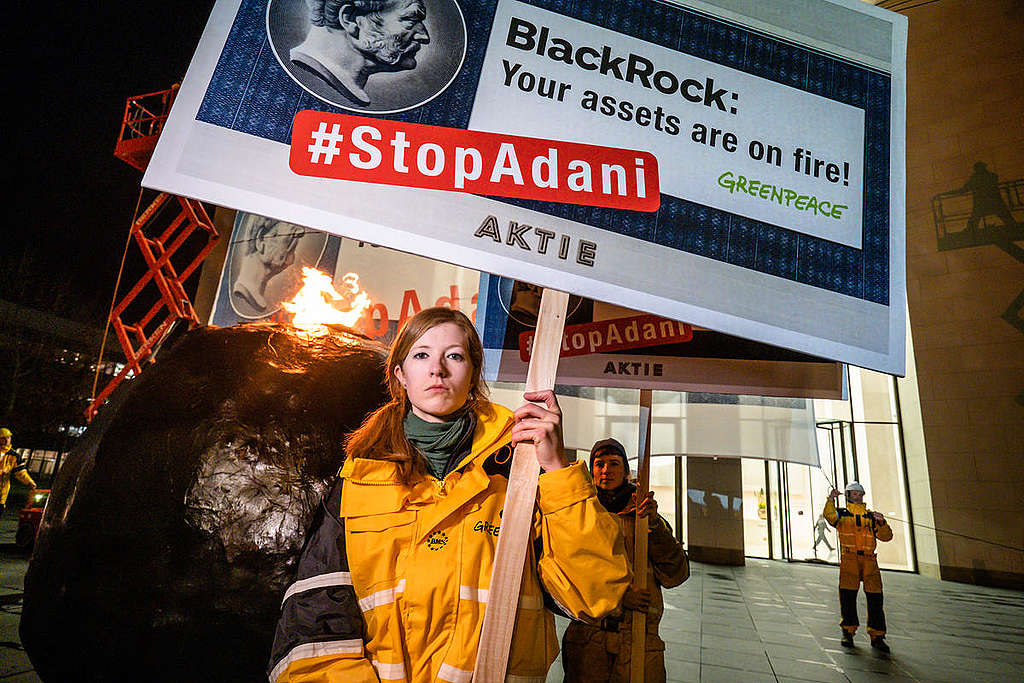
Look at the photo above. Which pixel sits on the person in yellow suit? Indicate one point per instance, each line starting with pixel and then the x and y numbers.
pixel 601 653
pixel 858 529
pixel 394 579
pixel 10 464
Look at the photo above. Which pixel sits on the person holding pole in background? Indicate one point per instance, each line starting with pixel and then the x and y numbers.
pixel 600 652
pixel 858 528
pixel 395 578
pixel 10 464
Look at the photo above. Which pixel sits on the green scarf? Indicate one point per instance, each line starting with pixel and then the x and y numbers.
pixel 443 444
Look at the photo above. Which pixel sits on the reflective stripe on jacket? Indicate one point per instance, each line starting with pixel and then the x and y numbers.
pixel 856 528
pixel 393 584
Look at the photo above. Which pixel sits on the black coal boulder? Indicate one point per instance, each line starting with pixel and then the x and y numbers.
pixel 176 525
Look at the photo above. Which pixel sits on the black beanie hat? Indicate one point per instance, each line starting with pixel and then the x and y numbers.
pixel 608 446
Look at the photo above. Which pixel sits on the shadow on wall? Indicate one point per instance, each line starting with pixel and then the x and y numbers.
pixel 984 211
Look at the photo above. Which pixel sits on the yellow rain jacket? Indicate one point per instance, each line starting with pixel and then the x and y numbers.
pixel 394 583
pixel 10 464
pixel 602 652
pixel 858 532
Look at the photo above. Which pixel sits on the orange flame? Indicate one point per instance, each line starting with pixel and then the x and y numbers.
pixel 317 304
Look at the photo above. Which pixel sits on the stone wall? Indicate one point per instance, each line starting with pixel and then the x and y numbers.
pixel 965 107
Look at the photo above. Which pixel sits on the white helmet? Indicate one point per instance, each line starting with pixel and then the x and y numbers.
pixel 854 486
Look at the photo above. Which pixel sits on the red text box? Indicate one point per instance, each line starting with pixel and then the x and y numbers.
pixel 369 150
pixel 617 334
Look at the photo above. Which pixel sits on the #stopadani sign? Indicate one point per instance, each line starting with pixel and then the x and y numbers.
pixel 434 157
pixel 735 165
pixel 633 332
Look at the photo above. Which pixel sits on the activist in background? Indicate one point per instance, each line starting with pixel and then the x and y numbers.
pixel 858 528
pixel 393 581
pixel 601 651
pixel 820 535
pixel 10 464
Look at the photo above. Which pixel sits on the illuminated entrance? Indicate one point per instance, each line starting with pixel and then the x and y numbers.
pixel 858 440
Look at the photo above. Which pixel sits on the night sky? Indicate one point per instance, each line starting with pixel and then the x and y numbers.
pixel 70 200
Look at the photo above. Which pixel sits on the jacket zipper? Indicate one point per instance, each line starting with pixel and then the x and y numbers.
pixel 438 483
pixel 442 483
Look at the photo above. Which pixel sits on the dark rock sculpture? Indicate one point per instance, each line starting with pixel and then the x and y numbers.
pixel 176 525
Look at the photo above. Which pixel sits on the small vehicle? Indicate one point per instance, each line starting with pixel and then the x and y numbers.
pixel 29 518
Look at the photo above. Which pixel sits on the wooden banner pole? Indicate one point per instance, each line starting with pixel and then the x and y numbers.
pixel 638 651
pixel 517 517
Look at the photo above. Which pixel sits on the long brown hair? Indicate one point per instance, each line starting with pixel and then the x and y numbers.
pixel 382 436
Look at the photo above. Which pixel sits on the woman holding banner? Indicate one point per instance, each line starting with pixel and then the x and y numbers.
pixel 393 582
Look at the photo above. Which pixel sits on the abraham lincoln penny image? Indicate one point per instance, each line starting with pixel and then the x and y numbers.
pixel 369 55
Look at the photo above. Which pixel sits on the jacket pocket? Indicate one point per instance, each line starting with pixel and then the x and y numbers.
pixel 377 546
pixel 380 523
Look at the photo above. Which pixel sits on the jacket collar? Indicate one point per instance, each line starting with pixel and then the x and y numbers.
pixel 489 431
pixel 375 487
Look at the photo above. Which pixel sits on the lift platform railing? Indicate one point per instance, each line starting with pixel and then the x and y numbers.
pixel 143 120
pixel 952 212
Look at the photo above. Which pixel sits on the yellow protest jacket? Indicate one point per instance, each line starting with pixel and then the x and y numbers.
pixel 10 464
pixel 856 528
pixel 408 568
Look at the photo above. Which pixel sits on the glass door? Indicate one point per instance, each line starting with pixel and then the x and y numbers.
pixel 755 508
pixel 810 537
pixel 799 512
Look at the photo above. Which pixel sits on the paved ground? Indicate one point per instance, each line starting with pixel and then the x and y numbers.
pixel 14 664
pixel 773 621
pixel 768 621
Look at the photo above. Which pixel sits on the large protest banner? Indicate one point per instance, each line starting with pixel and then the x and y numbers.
pixel 735 165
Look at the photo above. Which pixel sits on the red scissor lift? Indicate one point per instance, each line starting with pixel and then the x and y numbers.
pixel 160 231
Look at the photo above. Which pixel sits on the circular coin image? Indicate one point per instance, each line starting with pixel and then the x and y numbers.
pixel 372 56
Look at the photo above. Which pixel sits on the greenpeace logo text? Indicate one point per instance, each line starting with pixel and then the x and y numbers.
pixel 487 528
pixel 370 150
